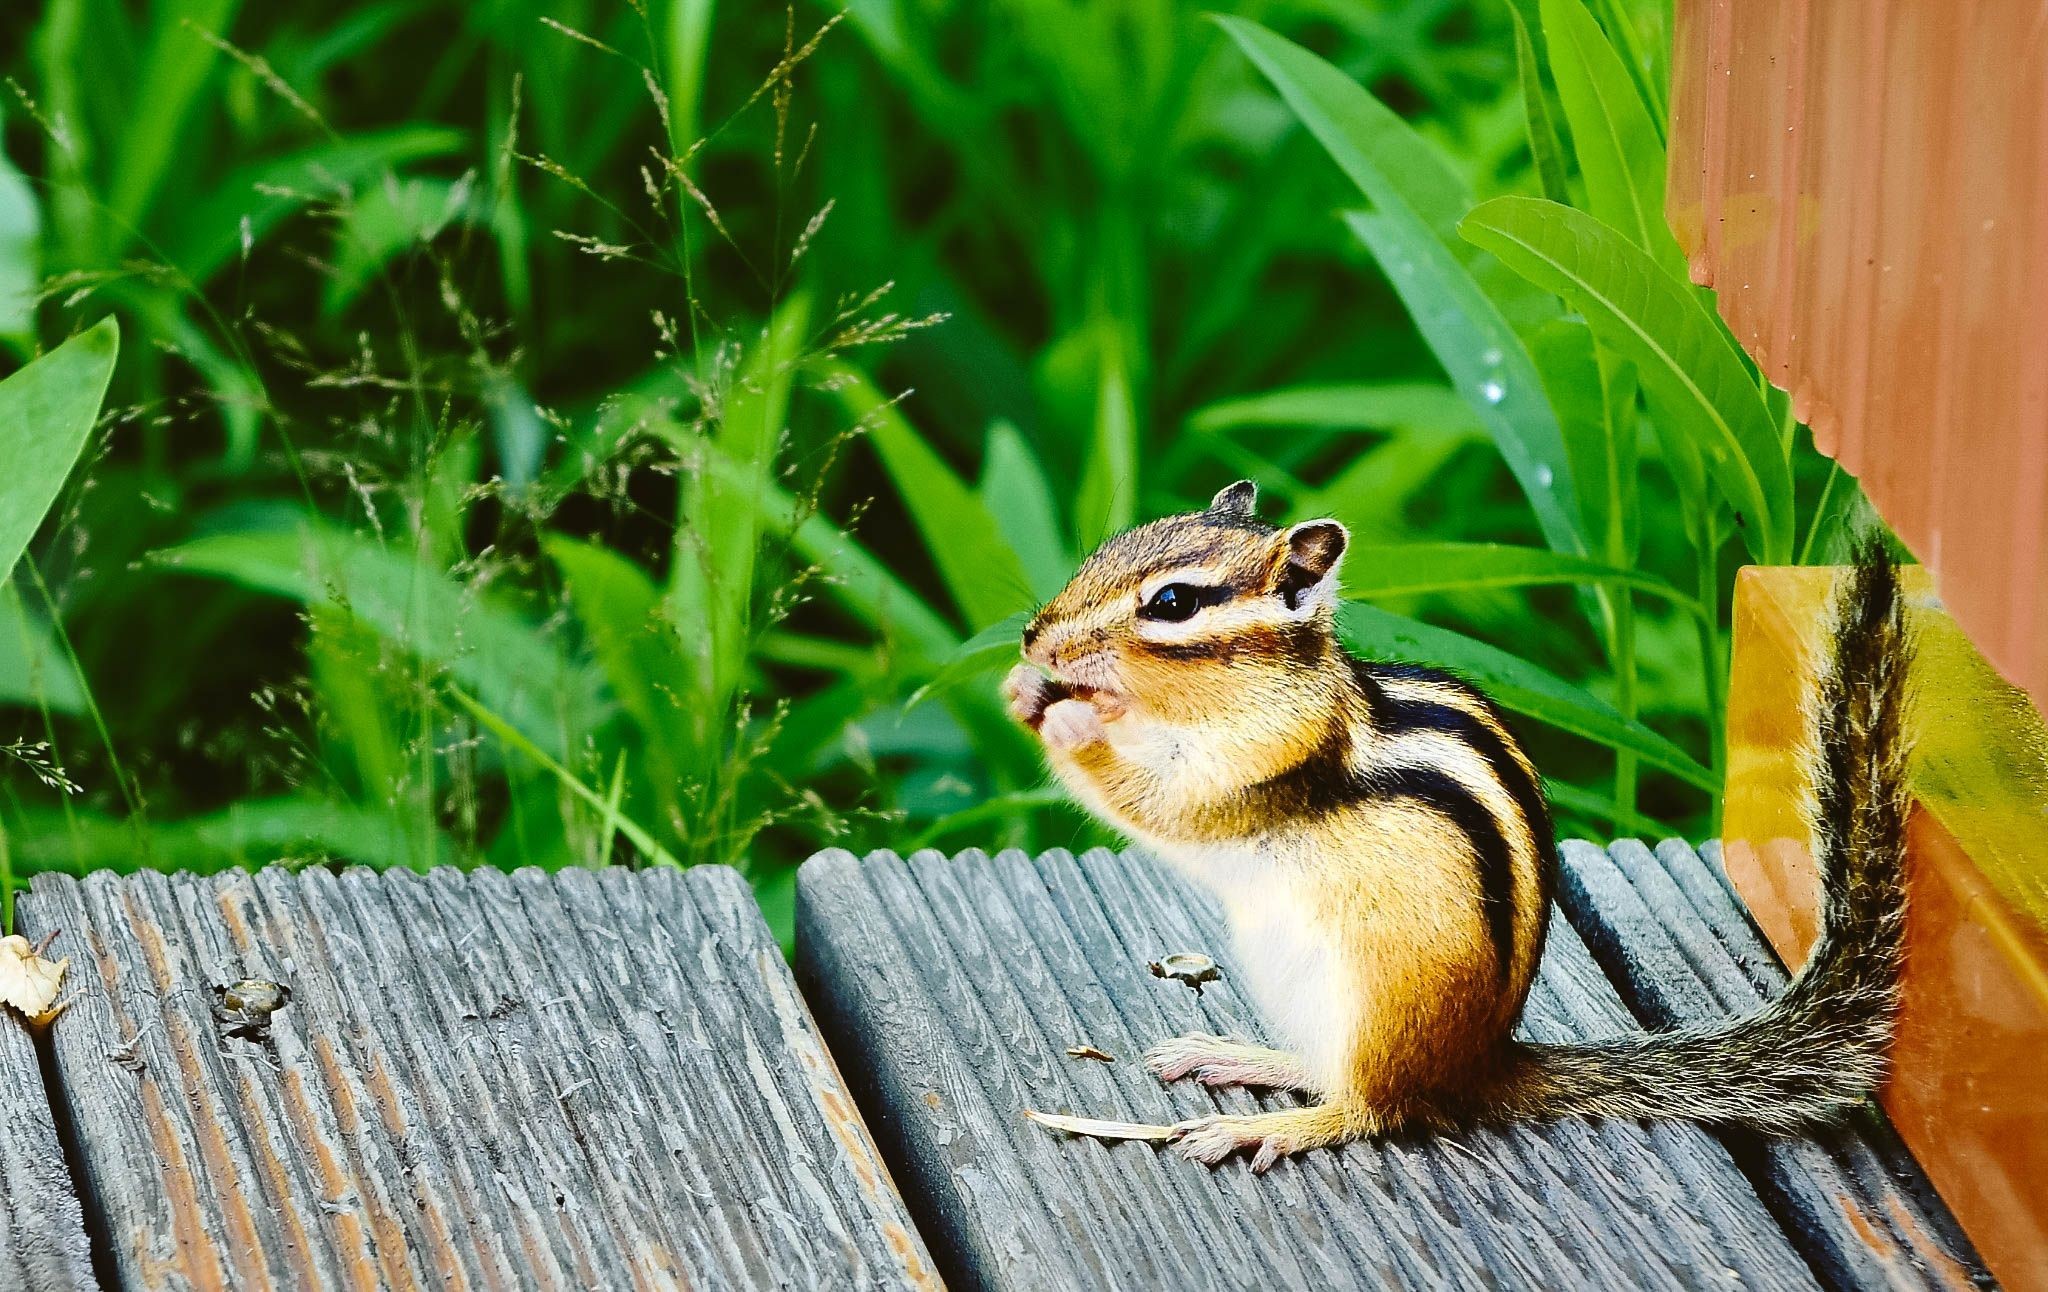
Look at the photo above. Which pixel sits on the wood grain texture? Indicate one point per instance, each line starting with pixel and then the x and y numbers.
pixel 43 1246
pixel 1668 931
pixel 595 1079
pixel 951 989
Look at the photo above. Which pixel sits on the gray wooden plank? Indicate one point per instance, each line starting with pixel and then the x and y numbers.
pixel 1670 934
pixel 480 1079
pixel 951 988
pixel 43 1244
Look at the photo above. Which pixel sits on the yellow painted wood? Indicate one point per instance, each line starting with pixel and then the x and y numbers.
pixel 1973 1030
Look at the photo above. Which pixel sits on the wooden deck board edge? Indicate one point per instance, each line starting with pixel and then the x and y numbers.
pixel 1669 933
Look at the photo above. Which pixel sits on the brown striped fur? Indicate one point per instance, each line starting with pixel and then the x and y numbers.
pixel 1376 836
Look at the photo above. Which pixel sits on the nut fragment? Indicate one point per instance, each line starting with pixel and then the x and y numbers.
pixel 1101 1129
pixel 1190 967
pixel 1089 1052
pixel 244 1006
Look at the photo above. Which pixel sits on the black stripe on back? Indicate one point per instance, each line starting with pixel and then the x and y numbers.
pixel 1444 793
pixel 1395 714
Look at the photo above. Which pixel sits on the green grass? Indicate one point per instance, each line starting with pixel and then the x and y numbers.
pixel 582 434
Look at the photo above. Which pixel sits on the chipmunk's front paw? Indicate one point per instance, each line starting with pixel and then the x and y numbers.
pixel 1030 693
pixel 1071 724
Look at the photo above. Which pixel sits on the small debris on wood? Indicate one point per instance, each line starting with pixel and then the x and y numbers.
pixel 28 981
pixel 1190 967
pixel 1097 1129
pixel 1089 1052
pixel 244 1007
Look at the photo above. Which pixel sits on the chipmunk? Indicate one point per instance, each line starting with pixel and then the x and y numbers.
pixel 1383 849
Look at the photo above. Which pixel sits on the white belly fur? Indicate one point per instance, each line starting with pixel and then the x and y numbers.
pixel 1283 955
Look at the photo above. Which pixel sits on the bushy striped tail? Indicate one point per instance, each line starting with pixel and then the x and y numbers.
pixel 1818 1049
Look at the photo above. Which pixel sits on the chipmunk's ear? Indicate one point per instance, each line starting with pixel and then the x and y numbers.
pixel 1309 576
pixel 1239 501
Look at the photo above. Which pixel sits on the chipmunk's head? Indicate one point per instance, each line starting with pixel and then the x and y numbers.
pixel 1194 614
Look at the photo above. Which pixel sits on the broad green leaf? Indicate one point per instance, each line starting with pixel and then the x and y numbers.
pixel 1374 492
pixel 1370 143
pixel 517 432
pixel 47 411
pixel 852 659
pixel 993 648
pixel 1422 405
pixel 1487 362
pixel 481 642
pixel 1684 357
pixel 1382 154
pixel 34 670
pixel 1405 568
pixel 1417 202
pixel 1645 55
pixel 21 272
pixel 1516 684
pixel 1620 153
pixel 1594 392
pixel 1545 149
pixel 960 534
pixel 1016 494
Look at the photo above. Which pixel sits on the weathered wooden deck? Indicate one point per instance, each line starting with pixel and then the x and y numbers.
pixel 604 1079
pixel 592 1080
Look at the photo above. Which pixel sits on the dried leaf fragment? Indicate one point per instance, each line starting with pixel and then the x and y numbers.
pixel 28 981
pixel 1089 1052
pixel 1190 967
pixel 1098 1129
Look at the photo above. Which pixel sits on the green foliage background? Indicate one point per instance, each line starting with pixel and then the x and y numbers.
pixel 573 432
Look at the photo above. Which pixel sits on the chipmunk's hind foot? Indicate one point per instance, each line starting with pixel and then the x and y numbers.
pixel 1220 1061
pixel 1268 1137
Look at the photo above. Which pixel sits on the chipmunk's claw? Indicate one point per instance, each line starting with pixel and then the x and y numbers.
pixel 1209 1140
pixel 1268 1137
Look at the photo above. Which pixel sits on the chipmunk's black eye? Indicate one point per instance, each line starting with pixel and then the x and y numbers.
pixel 1176 602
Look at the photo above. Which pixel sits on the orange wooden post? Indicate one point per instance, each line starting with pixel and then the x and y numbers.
pixel 1866 187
